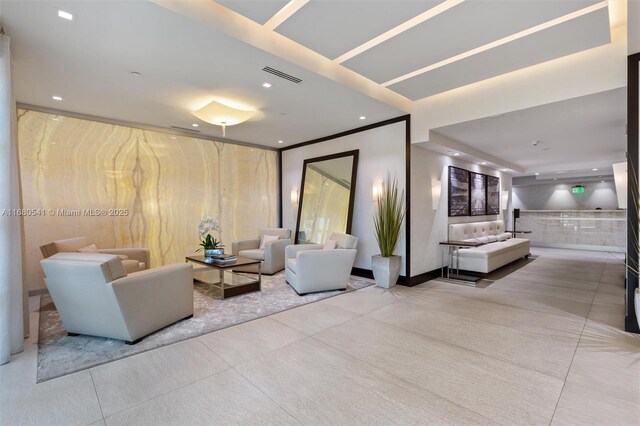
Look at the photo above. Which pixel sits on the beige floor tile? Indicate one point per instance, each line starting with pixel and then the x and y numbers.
pixel 533 279
pixel 224 398
pixel 313 318
pixel 608 360
pixel 365 300
pixel 100 422
pixel 499 390
pixel 610 315
pixel 246 341
pixel 540 352
pixel 607 298
pixel 586 406
pixel 497 313
pixel 513 284
pixel 127 382
pixel 533 301
pixel 320 385
pixel 69 399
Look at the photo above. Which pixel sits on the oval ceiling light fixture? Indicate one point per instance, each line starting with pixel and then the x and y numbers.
pixel 223 115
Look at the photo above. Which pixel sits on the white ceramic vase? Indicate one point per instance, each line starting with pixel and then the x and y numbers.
pixel 386 270
pixel 636 301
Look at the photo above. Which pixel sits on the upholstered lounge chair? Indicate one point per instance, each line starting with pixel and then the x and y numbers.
pixel 272 253
pixel 95 296
pixel 133 259
pixel 311 268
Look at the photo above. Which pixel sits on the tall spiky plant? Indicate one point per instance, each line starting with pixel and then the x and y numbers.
pixel 388 216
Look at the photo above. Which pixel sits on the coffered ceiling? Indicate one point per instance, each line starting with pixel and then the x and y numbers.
pixel 356 58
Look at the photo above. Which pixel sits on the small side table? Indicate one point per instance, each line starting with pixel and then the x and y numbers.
pixel 456 278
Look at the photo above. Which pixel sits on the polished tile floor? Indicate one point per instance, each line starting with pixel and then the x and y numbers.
pixel 541 345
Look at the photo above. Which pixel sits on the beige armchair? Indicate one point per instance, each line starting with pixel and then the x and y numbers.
pixel 311 268
pixel 272 255
pixel 95 296
pixel 133 259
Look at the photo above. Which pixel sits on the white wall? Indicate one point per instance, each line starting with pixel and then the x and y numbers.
pixel 382 151
pixel 429 227
pixel 560 197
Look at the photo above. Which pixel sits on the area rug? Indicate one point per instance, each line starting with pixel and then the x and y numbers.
pixel 59 354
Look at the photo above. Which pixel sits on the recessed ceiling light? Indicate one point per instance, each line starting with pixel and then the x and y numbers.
pixel 537 174
pixel 194 125
pixel 504 170
pixel 65 15
pixel 555 178
pixel 362 117
pixel 484 163
pixel 56 98
pixel 455 154
pixel 595 170
pixel 602 181
pixel 280 141
pixel 266 85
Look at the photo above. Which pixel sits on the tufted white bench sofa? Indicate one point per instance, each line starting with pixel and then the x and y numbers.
pixel 499 249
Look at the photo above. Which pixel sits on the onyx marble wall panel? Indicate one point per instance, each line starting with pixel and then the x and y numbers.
pixel 160 184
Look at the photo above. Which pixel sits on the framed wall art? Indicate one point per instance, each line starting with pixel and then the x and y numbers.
pixel 493 195
pixel 478 194
pixel 458 192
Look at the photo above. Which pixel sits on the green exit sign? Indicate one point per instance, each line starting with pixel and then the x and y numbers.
pixel 577 189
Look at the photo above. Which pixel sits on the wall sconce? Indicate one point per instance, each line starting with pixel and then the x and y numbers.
pixel 223 115
pixel 294 196
pixel 505 199
pixel 376 191
pixel 436 193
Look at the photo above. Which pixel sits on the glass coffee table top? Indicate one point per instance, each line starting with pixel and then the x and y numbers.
pixel 222 275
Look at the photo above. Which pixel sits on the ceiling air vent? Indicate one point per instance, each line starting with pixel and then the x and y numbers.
pixel 281 74
pixel 186 129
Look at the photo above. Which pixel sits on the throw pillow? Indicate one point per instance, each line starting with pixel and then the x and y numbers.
pixel 504 236
pixel 329 245
pixel 266 239
pixel 89 249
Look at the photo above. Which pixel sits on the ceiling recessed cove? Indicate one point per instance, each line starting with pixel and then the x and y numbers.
pixel 282 74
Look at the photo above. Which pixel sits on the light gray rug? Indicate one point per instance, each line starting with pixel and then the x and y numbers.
pixel 59 354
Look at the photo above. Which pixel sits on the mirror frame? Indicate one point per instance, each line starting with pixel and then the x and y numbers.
pixel 352 192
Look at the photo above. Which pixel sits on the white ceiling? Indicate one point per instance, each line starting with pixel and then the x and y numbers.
pixel 183 64
pixel 576 134
pixel 333 28
pixel 187 59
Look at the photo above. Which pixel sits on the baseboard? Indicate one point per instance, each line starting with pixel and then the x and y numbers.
pixel 423 278
pixel 38 292
pixel 361 272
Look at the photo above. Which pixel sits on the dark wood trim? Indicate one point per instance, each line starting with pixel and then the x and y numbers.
pixel 352 192
pixel 348 132
pixel 423 278
pixel 361 272
pixel 633 91
pixel 407 186
pixel 38 291
pixel 280 200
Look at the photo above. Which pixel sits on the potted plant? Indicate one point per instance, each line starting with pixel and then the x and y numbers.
pixel 209 244
pixel 387 219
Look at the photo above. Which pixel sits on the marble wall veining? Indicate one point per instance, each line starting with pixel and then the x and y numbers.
pixel 580 229
pixel 127 187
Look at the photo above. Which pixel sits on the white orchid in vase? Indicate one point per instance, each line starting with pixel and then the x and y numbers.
pixel 208 225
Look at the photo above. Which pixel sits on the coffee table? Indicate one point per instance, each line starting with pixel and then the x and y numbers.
pixel 231 283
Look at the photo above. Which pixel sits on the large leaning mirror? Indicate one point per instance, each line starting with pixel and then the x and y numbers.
pixel 326 199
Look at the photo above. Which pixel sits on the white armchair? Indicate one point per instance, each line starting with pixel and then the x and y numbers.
pixel 133 259
pixel 272 255
pixel 311 268
pixel 94 295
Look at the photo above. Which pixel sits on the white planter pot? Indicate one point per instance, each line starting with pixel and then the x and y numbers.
pixel 386 270
pixel 636 301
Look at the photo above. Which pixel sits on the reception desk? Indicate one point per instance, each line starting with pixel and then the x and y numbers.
pixel 580 229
